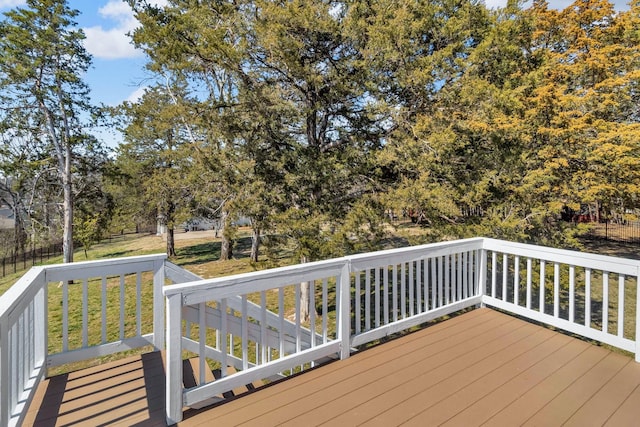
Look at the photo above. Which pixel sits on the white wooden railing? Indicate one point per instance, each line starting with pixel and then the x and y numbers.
pixel 23 344
pixel 84 304
pixel 253 322
pixel 354 300
pixel 276 345
pixel 590 295
pixel 397 289
pixel 366 297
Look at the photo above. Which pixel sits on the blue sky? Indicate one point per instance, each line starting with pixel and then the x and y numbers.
pixel 118 71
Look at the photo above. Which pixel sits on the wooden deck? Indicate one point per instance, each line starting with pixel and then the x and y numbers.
pixel 482 367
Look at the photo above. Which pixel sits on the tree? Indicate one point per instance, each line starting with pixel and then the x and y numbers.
pixel 420 53
pixel 42 61
pixel 18 168
pixel 94 205
pixel 170 38
pixel 519 115
pixel 305 51
pixel 585 149
pixel 286 101
pixel 156 156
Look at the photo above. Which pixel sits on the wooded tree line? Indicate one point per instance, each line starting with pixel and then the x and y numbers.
pixel 315 118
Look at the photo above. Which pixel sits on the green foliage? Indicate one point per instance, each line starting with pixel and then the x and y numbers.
pixel 42 62
pixel 156 157
pixel 313 118
pixel 86 231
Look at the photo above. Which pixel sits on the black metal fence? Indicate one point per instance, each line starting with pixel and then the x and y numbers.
pixel 21 261
pixel 626 231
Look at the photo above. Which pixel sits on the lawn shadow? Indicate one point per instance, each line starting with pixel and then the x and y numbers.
pixel 202 253
pixel 611 248
pixel 117 254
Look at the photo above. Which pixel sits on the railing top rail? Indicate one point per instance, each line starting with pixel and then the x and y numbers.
pixel 115 266
pixel 582 259
pixel 22 290
pixel 255 281
pixel 82 265
pixel 229 286
pixel 393 256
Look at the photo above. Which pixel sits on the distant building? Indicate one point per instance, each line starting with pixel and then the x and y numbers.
pixel 199 224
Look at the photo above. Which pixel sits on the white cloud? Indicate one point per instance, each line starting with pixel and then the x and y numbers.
pixel 115 10
pixel 136 94
pixel 109 44
pixel 113 43
pixel 493 4
pixel 11 3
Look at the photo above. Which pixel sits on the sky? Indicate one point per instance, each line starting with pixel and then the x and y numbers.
pixel 558 4
pixel 117 73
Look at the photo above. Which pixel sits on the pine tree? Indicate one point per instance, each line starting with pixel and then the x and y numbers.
pixel 157 155
pixel 42 61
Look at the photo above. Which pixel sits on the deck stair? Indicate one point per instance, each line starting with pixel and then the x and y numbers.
pixel 191 377
pixel 241 389
pixel 276 332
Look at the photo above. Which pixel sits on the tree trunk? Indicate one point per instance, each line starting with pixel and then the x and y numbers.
pixel 19 233
pixel 226 251
pixel 305 297
pixel 62 144
pixel 169 225
pixel 226 247
pixel 255 243
pixel 171 243
pixel 67 236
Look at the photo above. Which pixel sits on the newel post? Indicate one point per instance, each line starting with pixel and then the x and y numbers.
pixel 41 327
pixel 173 360
pixel 638 316
pixel 344 309
pixel 482 276
pixel 5 401
pixel 158 304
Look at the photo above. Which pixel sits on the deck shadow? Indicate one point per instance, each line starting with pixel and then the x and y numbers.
pixel 126 392
pixel 53 396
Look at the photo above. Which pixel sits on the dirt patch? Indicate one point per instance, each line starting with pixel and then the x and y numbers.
pixel 190 235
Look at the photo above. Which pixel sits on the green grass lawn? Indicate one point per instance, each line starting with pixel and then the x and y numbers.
pixel 199 254
pixel 195 252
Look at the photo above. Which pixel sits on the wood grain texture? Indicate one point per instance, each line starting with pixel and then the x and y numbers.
pixel 479 368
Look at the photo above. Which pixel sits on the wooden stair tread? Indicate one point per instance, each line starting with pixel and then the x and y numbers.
pixel 242 389
pixel 191 378
pixel 191 372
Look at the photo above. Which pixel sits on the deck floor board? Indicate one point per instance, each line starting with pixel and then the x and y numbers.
pixel 479 368
pixel 358 390
pixel 489 375
pixel 488 405
pixel 608 399
pixel 428 382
